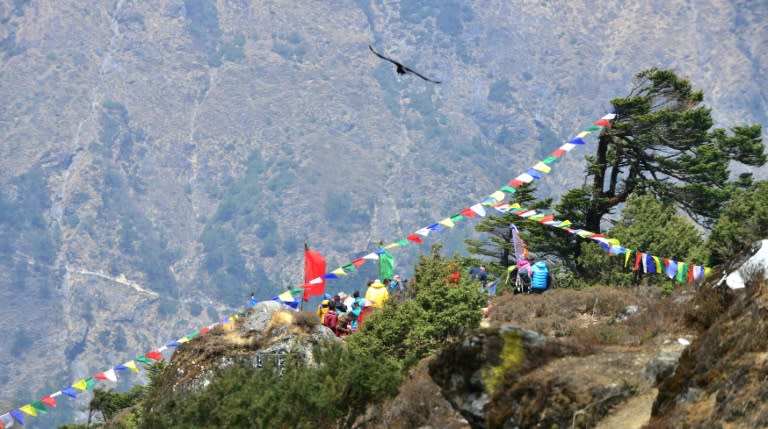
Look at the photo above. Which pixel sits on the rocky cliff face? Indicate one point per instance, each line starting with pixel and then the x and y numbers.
pixel 595 358
pixel 160 159
pixel 721 379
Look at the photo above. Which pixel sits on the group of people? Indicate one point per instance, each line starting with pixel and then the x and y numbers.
pixel 530 278
pixel 344 314
pixel 527 277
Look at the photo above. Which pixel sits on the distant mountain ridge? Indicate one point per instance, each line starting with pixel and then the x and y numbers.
pixel 191 147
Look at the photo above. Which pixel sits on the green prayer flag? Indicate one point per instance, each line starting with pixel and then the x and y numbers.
pixel 386 265
pixel 549 160
pixel 508 189
pixel 457 217
pixel 144 359
pixel 682 270
pixel 594 128
pixel 403 242
pixel 349 268
pixel 39 407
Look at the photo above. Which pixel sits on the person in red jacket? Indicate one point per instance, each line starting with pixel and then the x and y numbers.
pixel 453 278
pixel 331 319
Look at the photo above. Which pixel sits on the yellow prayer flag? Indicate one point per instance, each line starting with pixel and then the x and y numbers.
pixel 132 365
pixel 447 222
pixel 391 246
pixel 585 234
pixel 339 272
pixel 514 206
pixel 544 168
pixel 80 385
pixel 614 242
pixel 565 223
pixel 498 196
pixel 29 409
pixel 657 262
pixel 582 134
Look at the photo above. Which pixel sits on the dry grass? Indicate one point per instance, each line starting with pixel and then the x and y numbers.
pixel 593 317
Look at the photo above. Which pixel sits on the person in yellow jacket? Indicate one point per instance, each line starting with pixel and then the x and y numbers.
pixel 377 294
pixel 322 309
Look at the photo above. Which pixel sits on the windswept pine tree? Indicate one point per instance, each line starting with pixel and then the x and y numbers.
pixel 662 143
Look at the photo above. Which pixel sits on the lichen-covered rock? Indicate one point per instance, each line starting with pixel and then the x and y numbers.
pixel 663 365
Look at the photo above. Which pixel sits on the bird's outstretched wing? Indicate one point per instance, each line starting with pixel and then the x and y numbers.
pixel 401 66
pixel 385 58
pixel 420 75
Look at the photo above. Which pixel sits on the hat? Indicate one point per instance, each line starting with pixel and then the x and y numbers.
pixel 396 276
pixel 324 303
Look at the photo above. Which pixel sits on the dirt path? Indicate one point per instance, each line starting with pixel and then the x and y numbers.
pixel 633 414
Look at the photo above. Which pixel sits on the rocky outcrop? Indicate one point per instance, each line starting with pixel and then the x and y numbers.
pixel 720 381
pixel 264 336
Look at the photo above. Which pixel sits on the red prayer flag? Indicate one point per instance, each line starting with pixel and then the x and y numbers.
pixel 603 123
pixel 358 262
pixel 156 355
pixel 49 401
pixel 638 257
pixel 100 376
pixel 415 238
pixel 557 153
pixel 515 183
pixel 204 330
pixel 314 267
pixel 547 218
pixel 467 212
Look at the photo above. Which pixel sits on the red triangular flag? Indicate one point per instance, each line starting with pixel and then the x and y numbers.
pixel 468 212
pixel 547 218
pixel 603 123
pixel 156 355
pixel 358 262
pixel 100 376
pixel 415 238
pixel 557 153
pixel 49 401
pixel 638 257
pixel 204 330
pixel 515 183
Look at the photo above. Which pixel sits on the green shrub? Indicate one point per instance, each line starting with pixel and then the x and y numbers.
pixel 339 387
pixel 413 329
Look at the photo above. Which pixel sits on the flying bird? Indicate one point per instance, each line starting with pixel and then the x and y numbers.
pixel 401 69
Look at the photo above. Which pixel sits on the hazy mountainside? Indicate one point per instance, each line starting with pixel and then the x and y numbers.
pixel 161 159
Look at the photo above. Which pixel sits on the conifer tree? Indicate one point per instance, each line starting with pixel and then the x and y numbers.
pixel 662 143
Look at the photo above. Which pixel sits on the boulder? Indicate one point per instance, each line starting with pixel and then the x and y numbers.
pixel 662 366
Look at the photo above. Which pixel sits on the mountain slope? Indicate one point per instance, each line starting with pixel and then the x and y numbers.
pixel 191 147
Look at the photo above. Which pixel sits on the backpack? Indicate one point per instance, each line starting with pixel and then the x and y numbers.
pixel 540 276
